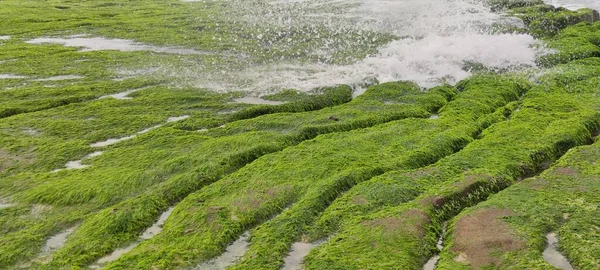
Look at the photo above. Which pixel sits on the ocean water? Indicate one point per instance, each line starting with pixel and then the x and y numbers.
pixel 435 41
pixel 575 4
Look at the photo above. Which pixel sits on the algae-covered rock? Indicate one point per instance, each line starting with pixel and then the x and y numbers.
pixel 547 21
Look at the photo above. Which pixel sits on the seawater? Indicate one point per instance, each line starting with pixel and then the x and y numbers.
pixel 434 42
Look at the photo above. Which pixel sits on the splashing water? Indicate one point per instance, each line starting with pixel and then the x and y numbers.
pixel 310 43
pixel 575 4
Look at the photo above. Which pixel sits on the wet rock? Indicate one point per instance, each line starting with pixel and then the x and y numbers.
pixel 595 16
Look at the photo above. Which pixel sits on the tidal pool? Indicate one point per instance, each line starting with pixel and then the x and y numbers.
pixel 60 78
pixel 12 76
pixel 123 95
pixel 118 140
pixel 102 44
pixel 57 241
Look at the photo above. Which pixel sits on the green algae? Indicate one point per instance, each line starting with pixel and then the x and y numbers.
pixel 547 21
pixel 570 35
pixel 404 225
pixel 440 191
pixel 304 180
pixel 575 42
pixel 125 190
pixel 171 163
pixel 561 199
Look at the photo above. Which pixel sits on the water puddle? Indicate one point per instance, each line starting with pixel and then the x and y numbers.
pixel 123 95
pixel 256 101
pixel 78 164
pixel 430 265
pixel 156 228
pixel 115 255
pixel 102 44
pixel 31 132
pixel 6 205
pixel 52 244
pixel 4 37
pixel 57 241
pixel 553 256
pixel 232 254
pixel 115 141
pixel 177 118
pixel 152 231
pixel 297 254
pixel 11 76
pixel 118 140
pixel 7 61
pixel 60 78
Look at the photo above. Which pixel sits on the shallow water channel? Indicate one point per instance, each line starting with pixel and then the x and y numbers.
pixel 150 232
pixel 553 256
pixel 232 254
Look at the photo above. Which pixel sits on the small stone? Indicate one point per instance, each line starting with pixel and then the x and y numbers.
pixel 333 118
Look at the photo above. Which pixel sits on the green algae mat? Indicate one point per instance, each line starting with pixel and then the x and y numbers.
pixel 103 166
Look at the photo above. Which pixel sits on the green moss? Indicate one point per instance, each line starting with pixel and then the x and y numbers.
pixel 307 177
pixel 545 127
pixel 575 42
pixel 541 205
pixel 168 164
pixel 570 76
pixel 321 165
pixel 321 98
pixel 547 21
